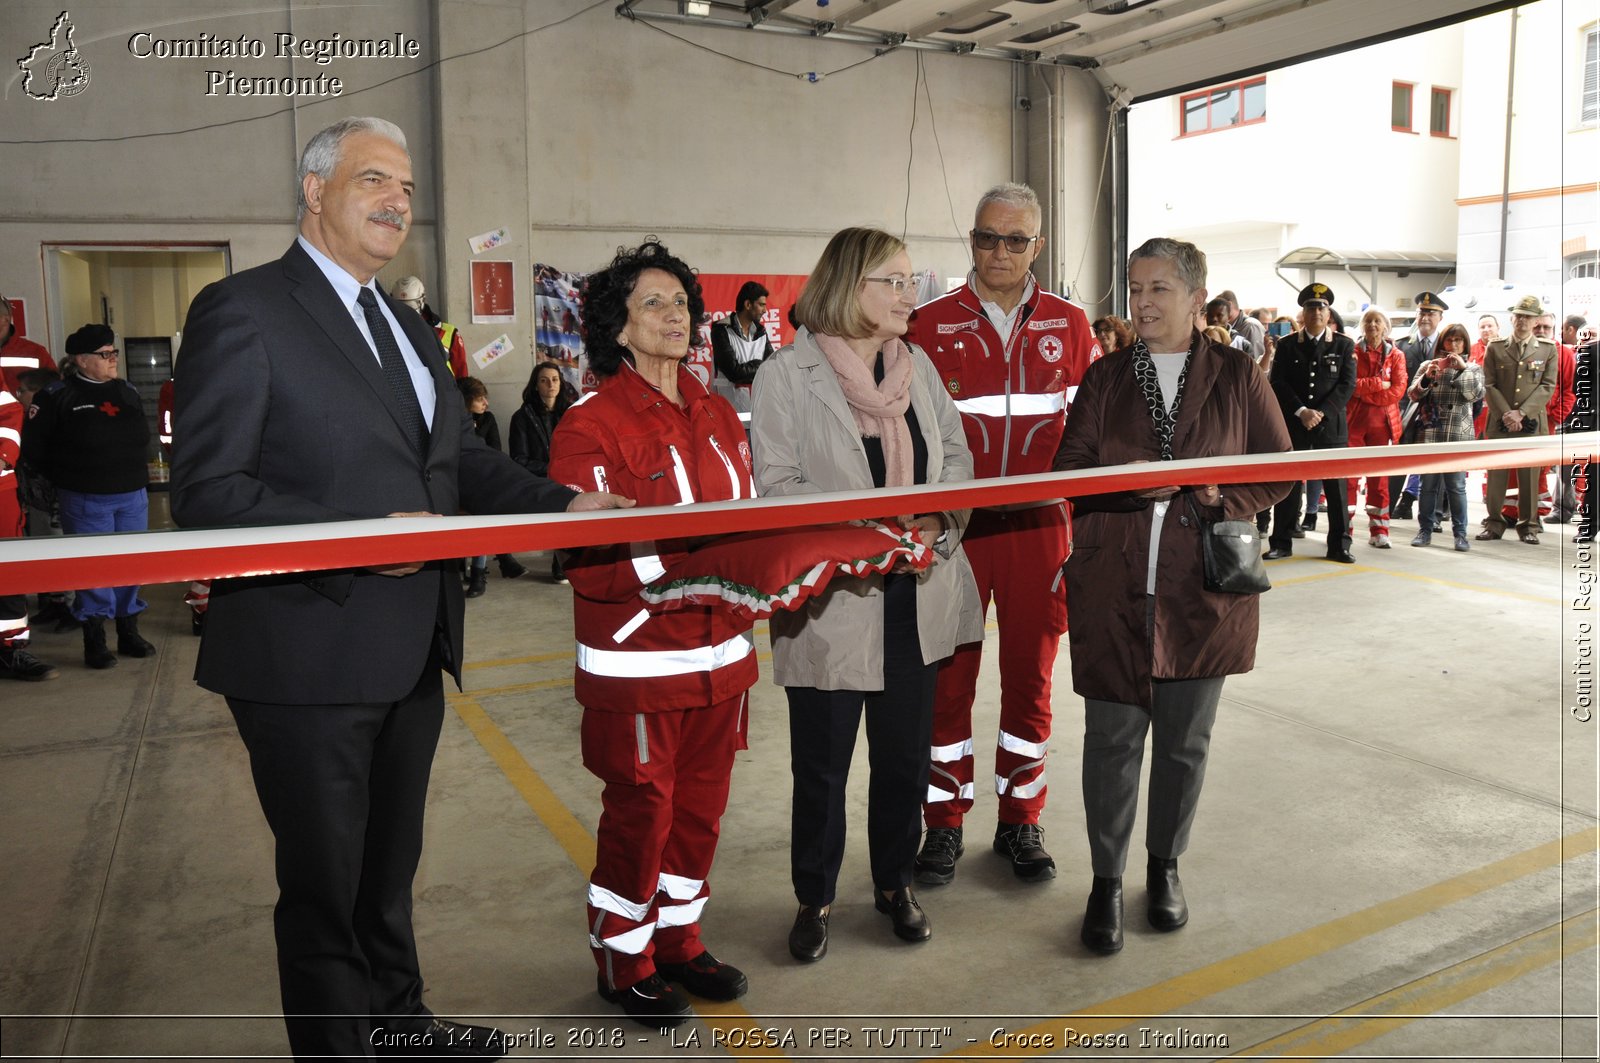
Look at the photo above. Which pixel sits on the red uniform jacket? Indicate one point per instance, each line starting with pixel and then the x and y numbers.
pixel 1563 398
pixel 1380 384
pixel 18 356
pixel 1012 392
pixel 630 439
pixel 11 414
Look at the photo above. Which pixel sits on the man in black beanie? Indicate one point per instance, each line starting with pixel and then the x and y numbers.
pixel 87 435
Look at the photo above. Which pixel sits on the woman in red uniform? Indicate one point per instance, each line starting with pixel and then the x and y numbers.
pixel 1374 414
pixel 664 697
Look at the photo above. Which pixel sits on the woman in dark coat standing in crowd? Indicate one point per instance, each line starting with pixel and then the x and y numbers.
pixel 87 435
pixel 544 400
pixel 1150 645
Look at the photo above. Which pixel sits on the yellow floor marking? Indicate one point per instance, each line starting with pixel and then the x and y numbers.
pixel 578 844
pixel 501 662
pixel 1433 993
pixel 1350 570
pixel 513 688
pixel 1175 994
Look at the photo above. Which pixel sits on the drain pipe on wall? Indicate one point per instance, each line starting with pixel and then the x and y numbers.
pixel 1505 172
pixel 1058 264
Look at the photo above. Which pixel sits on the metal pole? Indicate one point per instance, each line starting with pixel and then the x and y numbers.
pixel 1505 170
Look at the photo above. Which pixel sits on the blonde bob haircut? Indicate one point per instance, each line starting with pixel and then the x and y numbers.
pixel 830 303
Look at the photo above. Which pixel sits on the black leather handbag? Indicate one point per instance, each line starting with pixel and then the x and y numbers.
pixel 1232 550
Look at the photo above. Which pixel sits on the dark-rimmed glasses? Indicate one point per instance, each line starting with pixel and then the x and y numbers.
pixel 988 241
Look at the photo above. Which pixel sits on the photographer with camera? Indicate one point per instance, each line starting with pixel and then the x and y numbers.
pixel 1519 376
pixel 1444 390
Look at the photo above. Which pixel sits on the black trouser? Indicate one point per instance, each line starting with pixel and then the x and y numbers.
pixel 1286 516
pixel 822 737
pixel 343 788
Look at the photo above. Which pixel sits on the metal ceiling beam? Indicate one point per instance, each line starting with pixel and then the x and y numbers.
pixel 1206 29
pixel 1049 18
pixel 951 18
pixel 861 11
pixel 1123 27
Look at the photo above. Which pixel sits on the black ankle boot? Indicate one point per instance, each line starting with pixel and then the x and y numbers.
pixel 1168 910
pixel 95 653
pixel 1102 920
pixel 129 642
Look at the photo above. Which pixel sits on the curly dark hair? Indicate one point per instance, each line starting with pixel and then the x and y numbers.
pixel 605 301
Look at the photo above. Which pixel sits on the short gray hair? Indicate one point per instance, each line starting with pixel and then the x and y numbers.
pixel 1187 259
pixel 1011 194
pixel 322 153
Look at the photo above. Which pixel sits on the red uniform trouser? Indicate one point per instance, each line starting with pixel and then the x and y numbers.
pixel 666 776
pixel 13 607
pixel 1370 427
pixel 1016 557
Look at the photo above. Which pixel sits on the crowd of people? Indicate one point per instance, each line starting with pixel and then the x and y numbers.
pixel 351 408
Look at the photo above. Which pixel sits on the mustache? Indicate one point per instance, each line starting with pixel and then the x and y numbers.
pixel 389 217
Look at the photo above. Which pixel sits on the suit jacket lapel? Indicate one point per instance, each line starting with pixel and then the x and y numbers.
pixel 312 291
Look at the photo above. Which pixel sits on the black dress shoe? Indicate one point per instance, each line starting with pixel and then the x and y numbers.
pixel 1168 910
pixel 1344 557
pixel 1278 553
pixel 649 1001
pixel 910 921
pixel 435 1038
pixel 1102 920
pixel 706 977
pixel 1297 532
pixel 808 938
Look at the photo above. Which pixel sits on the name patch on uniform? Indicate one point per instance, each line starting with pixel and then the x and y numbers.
pixel 1055 322
pixel 960 326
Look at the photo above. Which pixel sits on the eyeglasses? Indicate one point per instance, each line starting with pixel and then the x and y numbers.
pixel 988 241
pixel 113 353
pixel 898 285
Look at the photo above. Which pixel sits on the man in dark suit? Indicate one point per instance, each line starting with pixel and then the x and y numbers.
pixel 1418 348
pixel 1313 374
pixel 305 394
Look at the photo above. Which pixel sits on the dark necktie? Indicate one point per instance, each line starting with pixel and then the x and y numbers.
pixel 395 371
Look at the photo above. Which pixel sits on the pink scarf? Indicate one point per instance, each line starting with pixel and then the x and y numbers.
pixel 879 409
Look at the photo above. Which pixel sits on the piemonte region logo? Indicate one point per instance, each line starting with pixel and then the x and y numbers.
pixel 55 68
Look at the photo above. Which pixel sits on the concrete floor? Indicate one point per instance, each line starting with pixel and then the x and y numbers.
pixel 1395 857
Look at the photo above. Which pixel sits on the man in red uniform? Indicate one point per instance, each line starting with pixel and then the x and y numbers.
pixel 18 354
pixel 1011 355
pixel 15 660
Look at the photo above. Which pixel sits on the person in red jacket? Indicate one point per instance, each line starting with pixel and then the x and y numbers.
pixel 664 697
pixel 1011 355
pixel 15 660
pixel 410 291
pixel 18 354
pixel 1374 415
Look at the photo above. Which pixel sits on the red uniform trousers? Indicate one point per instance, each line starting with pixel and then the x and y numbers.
pixel 667 776
pixel 1373 426
pixel 1016 557
pixel 13 607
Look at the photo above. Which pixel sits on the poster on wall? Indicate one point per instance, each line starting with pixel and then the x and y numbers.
pixel 19 316
pixel 721 290
pixel 494 293
pixel 556 335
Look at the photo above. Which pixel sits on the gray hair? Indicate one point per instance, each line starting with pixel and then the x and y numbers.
pixel 1379 314
pixel 1011 194
pixel 322 153
pixel 1187 259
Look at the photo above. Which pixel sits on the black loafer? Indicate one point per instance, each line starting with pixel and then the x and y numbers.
pixel 1343 557
pixel 808 938
pixel 706 977
pixel 1168 910
pixel 435 1038
pixel 1278 553
pixel 1102 919
pixel 910 921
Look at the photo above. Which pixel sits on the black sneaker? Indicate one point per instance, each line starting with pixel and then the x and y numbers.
pixel 650 1001
pixel 706 977
pixel 936 863
pixel 1023 845
pixel 17 663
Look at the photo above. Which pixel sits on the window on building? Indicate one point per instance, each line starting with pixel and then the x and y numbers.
pixel 1583 265
pixel 1439 112
pixel 1400 107
pixel 1223 107
pixel 1589 106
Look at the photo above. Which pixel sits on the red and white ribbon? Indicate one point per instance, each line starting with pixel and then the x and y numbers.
pixel 136 558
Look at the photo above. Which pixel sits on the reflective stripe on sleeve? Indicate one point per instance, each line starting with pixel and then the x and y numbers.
pixel 606 901
pixel 647 567
pixel 953 751
pixel 1021 746
pixel 1021 404
pixel 18 362
pixel 645 664
pixel 11 434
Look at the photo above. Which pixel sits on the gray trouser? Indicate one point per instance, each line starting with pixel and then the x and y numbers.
pixel 1113 749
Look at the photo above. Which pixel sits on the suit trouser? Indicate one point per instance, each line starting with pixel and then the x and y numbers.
pixel 1016 558
pixel 667 776
pixel 1286 515
pixel 343 788
pixel 822 737
pixel 1181 716
pixel 1527 494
